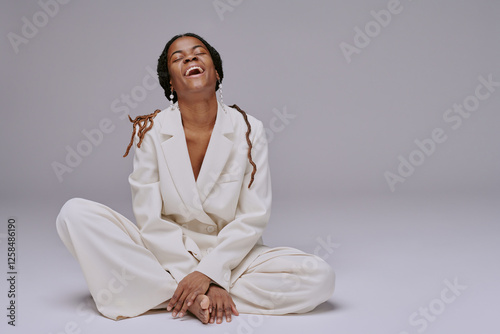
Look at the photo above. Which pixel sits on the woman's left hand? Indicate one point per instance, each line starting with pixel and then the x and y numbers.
pixel 220 303
pixel 187 290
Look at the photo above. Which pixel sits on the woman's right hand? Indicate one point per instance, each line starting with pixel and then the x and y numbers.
pixel 220 303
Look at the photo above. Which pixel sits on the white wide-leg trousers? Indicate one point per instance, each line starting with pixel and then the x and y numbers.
pixel 125 279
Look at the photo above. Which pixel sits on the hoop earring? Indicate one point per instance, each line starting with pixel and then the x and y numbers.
pixel 171 98
pixel 221 97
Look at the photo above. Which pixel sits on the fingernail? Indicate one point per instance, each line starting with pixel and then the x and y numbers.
pixel 174 314
pixel 181 314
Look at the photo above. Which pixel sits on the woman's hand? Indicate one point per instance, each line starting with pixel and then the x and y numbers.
pixel 220 303
pixel 187 290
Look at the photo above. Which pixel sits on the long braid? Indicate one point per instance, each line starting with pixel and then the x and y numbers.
pixel 249 129
pixel 141 121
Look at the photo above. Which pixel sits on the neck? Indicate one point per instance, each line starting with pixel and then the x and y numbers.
pixel 199 114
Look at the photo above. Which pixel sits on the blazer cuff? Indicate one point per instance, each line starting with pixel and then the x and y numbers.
pixel 221 277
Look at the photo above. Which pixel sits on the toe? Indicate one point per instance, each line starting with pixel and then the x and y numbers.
pixel 204 302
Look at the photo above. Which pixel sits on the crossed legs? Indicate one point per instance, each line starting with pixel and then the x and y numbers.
pixel 126 280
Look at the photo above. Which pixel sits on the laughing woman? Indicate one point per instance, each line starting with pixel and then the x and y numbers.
pixel 201 196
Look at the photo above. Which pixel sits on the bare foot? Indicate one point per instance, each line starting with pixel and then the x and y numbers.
pixel 199 308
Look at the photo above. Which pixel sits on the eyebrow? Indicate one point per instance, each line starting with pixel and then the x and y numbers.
pixel 180 51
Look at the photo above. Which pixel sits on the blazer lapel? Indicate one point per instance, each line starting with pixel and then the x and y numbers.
pixel 217 153
pixel 178 162
pixel 193 193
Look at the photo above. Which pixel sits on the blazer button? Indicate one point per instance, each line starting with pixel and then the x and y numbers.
pixel 210 229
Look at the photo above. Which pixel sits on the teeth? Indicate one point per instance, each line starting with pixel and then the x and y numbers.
pixel 193 68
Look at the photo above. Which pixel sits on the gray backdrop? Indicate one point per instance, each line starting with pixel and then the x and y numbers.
pixel 344 88
pixel 382 118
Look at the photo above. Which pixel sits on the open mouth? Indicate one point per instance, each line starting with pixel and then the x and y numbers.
pixel 194 70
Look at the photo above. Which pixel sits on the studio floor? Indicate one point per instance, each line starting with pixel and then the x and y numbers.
pixel 413 264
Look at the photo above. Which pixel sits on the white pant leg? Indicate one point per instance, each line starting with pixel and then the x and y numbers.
pixel 124 277
pixel 283 280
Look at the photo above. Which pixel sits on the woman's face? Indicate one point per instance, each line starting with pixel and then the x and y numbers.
pixel 190 67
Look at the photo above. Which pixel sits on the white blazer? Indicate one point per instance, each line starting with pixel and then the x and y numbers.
pixel 214 224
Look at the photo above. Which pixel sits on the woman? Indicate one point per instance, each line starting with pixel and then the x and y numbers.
pixel 201 196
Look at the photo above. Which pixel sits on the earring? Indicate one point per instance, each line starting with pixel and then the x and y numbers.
pixel 221 97
pixel 171 98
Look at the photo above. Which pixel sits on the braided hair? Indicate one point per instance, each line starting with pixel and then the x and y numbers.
pixel 145 122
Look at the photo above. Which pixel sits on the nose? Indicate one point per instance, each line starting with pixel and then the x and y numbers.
pixel 190 58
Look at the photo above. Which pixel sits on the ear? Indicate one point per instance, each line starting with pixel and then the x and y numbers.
pixel 217 74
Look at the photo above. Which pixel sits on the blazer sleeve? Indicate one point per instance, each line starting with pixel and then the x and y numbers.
pixel 239 236
pixel 164 238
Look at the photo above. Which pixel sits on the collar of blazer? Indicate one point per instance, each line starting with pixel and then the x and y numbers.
pixel 194 193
